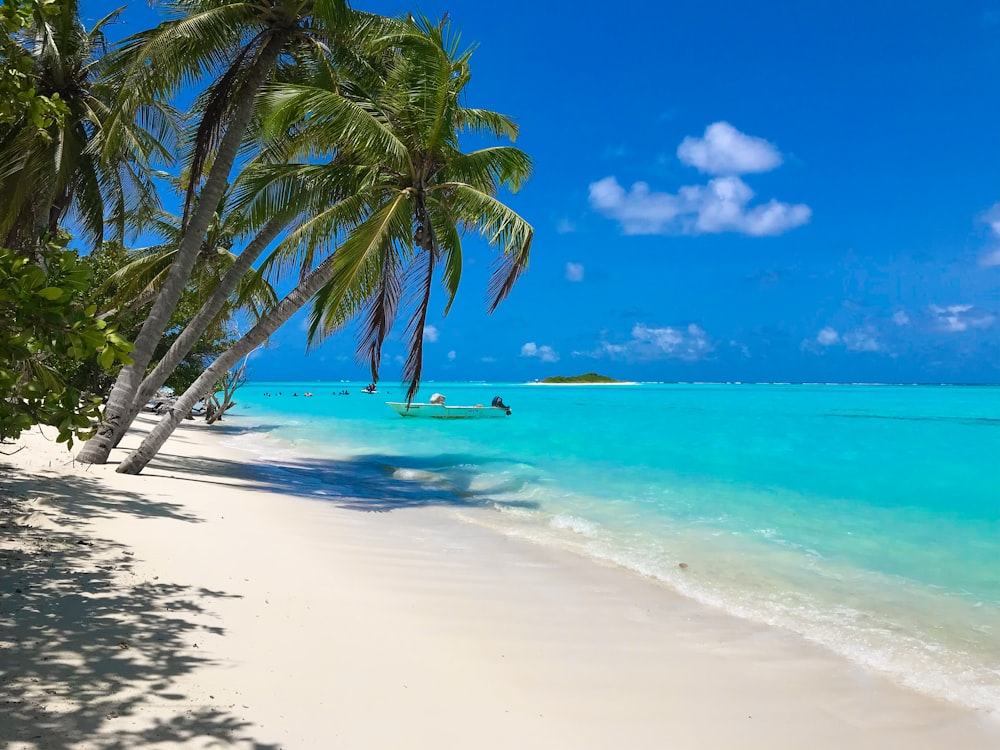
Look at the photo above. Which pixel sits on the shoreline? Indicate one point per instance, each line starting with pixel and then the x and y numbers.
pixel 249 614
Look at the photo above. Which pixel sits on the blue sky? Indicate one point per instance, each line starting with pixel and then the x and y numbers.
pixel 777 191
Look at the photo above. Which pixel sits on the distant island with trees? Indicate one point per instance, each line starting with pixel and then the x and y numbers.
pixel 590 377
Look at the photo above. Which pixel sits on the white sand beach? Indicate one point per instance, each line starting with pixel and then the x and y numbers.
pixel 202 605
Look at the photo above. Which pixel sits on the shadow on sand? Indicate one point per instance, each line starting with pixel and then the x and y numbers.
pixel 92 653
pixel 370 483
pixel 374 483
pixel 88 651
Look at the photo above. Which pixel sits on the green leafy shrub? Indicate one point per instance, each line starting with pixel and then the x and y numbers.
pixel 46 324
pixel 19 97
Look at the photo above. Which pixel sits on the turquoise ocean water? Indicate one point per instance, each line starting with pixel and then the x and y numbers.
pixel 866 518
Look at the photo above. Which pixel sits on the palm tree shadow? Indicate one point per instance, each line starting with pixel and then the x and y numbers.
pixel 88 651
pixel 374 483
pixel 80 497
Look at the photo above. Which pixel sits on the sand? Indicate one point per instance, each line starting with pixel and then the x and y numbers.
pixel 202 605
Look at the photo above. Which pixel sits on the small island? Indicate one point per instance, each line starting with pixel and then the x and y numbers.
pixel 587 378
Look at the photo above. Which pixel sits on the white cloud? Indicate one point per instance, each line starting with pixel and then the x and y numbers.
pixel 648 343
pixel 957 318
pixel 430 334
pixel 828 337
pixel 452 355
pixel 900 318
pixel 721 205
pixel 574 271
pixel 689 344
pixel 992 217
pixel 638 211
pixel 544 352
pixel 565 226
pixel 744 349
pixel 859 340
pixel 862 340
pixel 724 150
pixel 487 359
pixel 991 258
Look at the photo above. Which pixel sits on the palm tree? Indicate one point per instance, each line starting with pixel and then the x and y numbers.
pixel 251 291
pixel 253 201
pixel 227 282
pixel 407 162
pixel 69 170
pixel 240 43
pixel 407 194
pixel 138 280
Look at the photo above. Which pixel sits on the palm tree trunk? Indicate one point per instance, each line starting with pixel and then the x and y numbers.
pixel 136 461
pixel 190 335
pixel 98 448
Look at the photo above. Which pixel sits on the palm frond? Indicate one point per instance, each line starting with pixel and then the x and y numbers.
pixel 490 168
pixel 381 311
pixel 88 206
pixel 153 64
pixel 141 277
pixel 450 246
pixel 266 190
pixel 255 295
pixel 356 263
pixel 484 121
pixel 86 169
pixel 315 237
pixel 343 120
pixel 502 228
pixel 421 275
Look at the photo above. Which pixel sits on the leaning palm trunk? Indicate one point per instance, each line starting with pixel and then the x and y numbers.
pixel 136 461
pixel 115 421
pixel 199 323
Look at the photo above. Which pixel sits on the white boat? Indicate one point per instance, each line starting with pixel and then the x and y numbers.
pixel 440 411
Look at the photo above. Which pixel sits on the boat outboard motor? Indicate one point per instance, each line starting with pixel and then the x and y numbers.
pixel 499 404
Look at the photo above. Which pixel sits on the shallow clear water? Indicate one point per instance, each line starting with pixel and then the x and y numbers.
pixel 866 518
